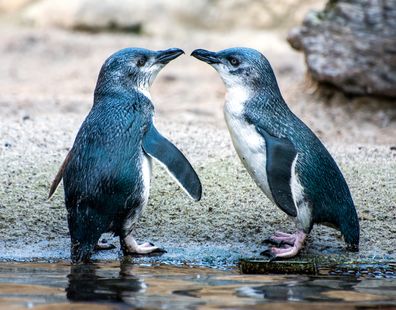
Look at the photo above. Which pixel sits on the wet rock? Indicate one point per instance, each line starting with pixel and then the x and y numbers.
pixel 320 265
pixel 352 45
pixel 259 266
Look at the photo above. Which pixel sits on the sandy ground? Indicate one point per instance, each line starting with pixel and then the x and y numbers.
pixel 46 82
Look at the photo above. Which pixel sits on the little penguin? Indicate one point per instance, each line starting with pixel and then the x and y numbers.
pixel 282 155
pixel 106 174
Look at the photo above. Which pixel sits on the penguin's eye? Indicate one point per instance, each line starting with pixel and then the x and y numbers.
pixel 141 62
pixel 233 61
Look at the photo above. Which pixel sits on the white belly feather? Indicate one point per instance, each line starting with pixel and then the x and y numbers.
pixel 248 143
pixel 251 149
pixel 146 168
pixel 146 173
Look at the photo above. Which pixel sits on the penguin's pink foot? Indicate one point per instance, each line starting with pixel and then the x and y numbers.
pixel 281 238
pixel 131 247
pixel 291 244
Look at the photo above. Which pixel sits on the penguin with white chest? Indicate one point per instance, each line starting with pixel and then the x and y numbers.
pixel 106 174
pixel 283 156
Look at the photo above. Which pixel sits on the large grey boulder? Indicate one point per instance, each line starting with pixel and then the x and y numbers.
pixel 352 45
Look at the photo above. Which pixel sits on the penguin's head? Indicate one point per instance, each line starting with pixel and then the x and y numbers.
pixel 240 67
pixel 134 68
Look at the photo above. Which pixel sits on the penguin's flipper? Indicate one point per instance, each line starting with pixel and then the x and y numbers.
pixel 158 147
pixel 281 154
pixel 59 175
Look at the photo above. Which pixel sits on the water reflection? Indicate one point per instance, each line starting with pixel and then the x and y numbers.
pixel 115 286
pixel 309 289
pixel 92 283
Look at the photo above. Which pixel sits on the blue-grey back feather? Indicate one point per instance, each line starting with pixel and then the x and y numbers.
pixel 322 180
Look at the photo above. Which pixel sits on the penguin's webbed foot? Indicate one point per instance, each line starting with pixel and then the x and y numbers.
pixel 280 238
pixel 290 245
pixel 104 246
pixel 143 250
pixel 131 248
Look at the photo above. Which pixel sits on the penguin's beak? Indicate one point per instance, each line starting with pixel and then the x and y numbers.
pixel 165 56
pixel 207 56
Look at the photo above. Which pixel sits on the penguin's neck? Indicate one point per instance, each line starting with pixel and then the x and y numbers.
pixel 144 90
pixel 235 99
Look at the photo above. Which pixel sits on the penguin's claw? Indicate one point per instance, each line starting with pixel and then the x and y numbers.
pixel 160 250
pixel 132 248
pixel 147 244
pixel 153 251
pixel 268 252
pixel 272 241
pixel 282 234
pixel 104 246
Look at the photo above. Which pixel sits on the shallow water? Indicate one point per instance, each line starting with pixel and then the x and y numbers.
pixel 114 285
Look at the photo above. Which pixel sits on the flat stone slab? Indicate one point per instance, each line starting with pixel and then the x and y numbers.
pixel 266 266
pixel 320 265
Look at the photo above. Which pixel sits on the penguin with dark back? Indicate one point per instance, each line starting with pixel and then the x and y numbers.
pixel 106 174
pixel 283 156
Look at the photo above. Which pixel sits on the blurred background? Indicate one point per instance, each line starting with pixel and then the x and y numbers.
pixel 52 50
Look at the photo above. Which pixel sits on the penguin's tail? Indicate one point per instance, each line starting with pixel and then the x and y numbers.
pixel 350 229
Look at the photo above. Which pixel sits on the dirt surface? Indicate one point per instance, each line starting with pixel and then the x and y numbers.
pixel 46 82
